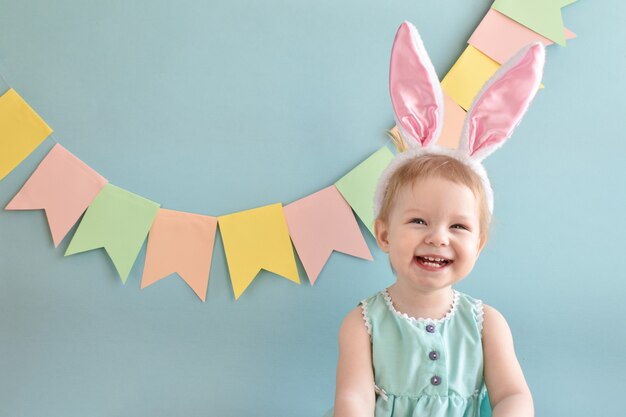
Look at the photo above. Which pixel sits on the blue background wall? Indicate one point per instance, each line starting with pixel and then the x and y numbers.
pixel 216 107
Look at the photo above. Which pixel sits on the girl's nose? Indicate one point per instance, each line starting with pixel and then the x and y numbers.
pixel 437 237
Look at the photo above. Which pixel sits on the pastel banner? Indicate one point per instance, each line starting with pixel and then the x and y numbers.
pixel 257 239
pixel 63 186
pixel 21 131
pixel 541 16
pixel 321 223
pixel 468 75
pixel 117 221
pixel 500 37
pixel 358 186
pixel 180 243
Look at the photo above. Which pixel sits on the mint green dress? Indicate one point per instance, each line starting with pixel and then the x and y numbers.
pixel 425 367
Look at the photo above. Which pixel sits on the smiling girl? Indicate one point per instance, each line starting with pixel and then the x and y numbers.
pixel 420 347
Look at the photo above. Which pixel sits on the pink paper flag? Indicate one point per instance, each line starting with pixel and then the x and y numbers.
pixel 183 243
pixel 63 186
pixel 500 37
pixel 321 223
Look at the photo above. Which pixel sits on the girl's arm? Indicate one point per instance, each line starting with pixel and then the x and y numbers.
pixel 355 376
pixel 507 388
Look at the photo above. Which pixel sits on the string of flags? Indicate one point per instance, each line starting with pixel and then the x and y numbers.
pixel 119 221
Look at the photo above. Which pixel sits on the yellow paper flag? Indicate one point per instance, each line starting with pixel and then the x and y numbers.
pixel 257 239
pixel 468 75
pixel 21 131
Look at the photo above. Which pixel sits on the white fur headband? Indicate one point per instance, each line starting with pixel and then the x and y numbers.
pixel 418 106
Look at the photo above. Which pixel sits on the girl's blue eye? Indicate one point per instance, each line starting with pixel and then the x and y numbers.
pixel 459 226
pixel 418 221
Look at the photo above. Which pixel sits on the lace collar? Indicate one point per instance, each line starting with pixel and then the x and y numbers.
pixel 422 320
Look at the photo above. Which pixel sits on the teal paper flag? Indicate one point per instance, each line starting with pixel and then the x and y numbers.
pixel 117 221
pixel 358 186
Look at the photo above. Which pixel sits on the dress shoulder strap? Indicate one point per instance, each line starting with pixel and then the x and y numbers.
pixel 370 308
pixel 475 306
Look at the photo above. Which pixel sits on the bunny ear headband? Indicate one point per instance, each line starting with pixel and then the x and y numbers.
pixel 418 106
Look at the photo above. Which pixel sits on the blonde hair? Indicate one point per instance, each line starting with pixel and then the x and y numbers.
pixel 438 166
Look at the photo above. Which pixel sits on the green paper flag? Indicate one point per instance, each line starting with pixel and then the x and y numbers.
pixel 541 16
pixel 117 221
pixel 359 185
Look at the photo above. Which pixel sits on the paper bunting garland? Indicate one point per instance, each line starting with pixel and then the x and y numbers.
pixel 358 186
pixel 63 186
pixel 117 221
pixel 541 16
pixel 257 239
pixel 21 131
pixel 320 224
pixel 180 243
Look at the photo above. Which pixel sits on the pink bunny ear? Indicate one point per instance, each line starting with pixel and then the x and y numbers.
pixel 499 107
pixel 414 87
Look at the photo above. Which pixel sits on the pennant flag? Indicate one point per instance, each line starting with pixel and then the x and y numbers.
pixel 183 243
pixel 468 75
pixel 321 223
pixel 500 37
pixel 21 131
pixel 541 16
pixel 117 221
pixel 63 186
pixel 453 120
pixel 359 185
pixel 257 239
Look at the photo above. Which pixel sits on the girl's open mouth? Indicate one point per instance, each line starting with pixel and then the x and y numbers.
pixel 432 263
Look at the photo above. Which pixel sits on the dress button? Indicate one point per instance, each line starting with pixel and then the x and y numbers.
pixel 430 328
pixel 435 380
pixel 434 355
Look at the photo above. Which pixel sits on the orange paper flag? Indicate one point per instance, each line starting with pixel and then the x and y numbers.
pixel 182 243
pixel 63 186
pixel 321 223
pixel 453 120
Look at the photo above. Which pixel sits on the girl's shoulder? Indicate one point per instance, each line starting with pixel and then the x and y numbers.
pixel 355 326
pixel 495 323
pixel 359 319
pixel 358 316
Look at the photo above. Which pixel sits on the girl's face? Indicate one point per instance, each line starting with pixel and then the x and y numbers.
pixel 432 234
